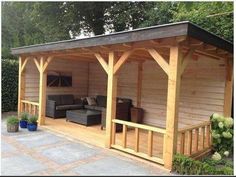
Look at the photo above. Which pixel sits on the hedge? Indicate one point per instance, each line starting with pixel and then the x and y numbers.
pixel 188 166
pixel 9 85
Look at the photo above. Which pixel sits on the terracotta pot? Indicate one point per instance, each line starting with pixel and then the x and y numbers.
pixel 13 128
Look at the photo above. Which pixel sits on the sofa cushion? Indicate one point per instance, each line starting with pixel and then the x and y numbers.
pixel 67 99
pixel 101 100
pixel 91 101
pixel 56 98
pixel 96 108
pixel 69 107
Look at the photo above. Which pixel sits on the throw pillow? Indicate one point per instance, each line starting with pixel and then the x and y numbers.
pixel 120 101
pixel 91 101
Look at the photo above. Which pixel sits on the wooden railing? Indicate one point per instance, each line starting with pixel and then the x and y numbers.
pixel 136 146
pixel 198 140
pixel 29 107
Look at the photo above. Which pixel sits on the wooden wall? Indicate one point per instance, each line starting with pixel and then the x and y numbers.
pixel 201 94
pixel 127 81
pixel 202 87
pixel 79 78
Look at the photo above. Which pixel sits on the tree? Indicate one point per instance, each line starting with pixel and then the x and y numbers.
pixel 17 27
pixel 216 17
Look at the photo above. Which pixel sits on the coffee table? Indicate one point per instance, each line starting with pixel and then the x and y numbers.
pixel 84 116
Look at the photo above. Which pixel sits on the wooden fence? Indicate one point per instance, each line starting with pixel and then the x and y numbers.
pixel 195 140
pixel 29 107
pixel 135 149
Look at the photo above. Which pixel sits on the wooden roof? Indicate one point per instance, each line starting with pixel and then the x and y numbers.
pixel 138 35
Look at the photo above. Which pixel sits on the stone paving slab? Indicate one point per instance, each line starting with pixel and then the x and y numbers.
pixel 7 148
pixel 112 166
pixel 36 140
pixel 69 153
pixel 20 165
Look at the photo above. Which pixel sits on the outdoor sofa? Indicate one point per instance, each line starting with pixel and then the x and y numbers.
pixel 57 105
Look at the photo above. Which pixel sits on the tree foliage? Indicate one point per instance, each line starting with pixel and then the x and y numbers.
pixel 26 23
pixel 9 85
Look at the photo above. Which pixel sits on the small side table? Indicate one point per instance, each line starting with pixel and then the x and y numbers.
pixel 136 114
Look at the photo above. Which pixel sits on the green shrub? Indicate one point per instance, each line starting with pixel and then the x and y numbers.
pixel 222 133
pixel 12 120
pixel 9 85
pixel 33 119
pixel 188 166
pixel 24 116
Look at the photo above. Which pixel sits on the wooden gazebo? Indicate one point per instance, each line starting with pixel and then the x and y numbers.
pixel 189 79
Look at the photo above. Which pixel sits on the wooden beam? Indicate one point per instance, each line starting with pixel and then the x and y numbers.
pixel 139 83
pixel 102 62
pixel 111 98
pixel 37 64
pixel 20 86
pixel 186 60
pixel 160 60
pixel 228 92
pixel 122 60
pixel 24 64
pixel 49 59
pixel 172 106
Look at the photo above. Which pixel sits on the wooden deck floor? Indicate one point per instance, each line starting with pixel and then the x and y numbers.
pixel 92 134
pixel 95 136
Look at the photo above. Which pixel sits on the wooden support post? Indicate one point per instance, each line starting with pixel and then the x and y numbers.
pixel 228 88
pixel 174 76
pixel 111 98
pixel 21 85
pixel 42 66
pixel 42 94
pixel 139 83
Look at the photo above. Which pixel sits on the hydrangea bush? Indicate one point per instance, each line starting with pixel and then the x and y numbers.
pixel 222 134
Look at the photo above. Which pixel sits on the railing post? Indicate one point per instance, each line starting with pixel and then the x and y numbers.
pixel 182 143
pixel 136 139
pixel 150 142
pixel 124 135
pixel 203 136
pixel 189 142
pixel 196 139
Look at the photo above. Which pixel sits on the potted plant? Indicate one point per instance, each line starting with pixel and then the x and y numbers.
pixel 24 120
pixel 32 123
pixel 12 124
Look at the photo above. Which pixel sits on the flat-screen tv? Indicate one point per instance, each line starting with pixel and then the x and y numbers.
pixel 59 79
